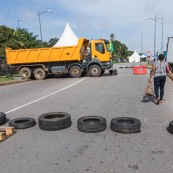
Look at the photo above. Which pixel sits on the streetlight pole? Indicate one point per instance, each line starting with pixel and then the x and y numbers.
pixel 19 20
pixel 39 13
pixel 161 48
pixel 162 37
pixel 142 43
pixel 155 20
pixel 155 35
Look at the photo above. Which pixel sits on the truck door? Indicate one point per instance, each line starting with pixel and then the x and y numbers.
pixel 99 52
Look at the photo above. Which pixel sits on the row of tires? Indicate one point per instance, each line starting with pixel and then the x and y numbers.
pixel 75 72
pixel 91 124
pixel 62 120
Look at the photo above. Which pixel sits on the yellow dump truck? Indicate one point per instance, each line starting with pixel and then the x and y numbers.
pixel 76 61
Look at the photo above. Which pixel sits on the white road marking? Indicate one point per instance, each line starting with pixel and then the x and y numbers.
pixel 44 97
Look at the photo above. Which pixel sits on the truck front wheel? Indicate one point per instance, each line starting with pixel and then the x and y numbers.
pixel 95 71
pixel 75 72
pixel 40 74
pixel 25 73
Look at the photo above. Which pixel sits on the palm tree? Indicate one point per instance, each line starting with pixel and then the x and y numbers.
pixel 112 37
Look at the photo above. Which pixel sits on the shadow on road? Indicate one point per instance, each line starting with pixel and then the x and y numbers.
pixel 147 99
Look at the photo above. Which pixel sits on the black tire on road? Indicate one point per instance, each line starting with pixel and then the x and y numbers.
pixel 40 74
pixel 95 71
pixel 54 121
pixel 22 123
pixel 125 125
pixel 83 73
pixel 113 72
pixel 102 71
pixel 75 72
pixel 170 127
pixel 91 124
pixel 26 73
pixel 2 118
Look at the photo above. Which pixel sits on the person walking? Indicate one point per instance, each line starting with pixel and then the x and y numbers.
pixel 159 72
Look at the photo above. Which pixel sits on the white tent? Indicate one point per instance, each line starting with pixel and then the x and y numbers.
pixel 68 38
pixel 143 56
pixel 135 57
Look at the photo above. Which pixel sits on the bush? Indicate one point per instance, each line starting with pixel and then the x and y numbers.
pixel 8 70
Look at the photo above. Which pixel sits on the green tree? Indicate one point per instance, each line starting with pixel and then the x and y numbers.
pixel 129 53
pixel 52 41
pixel 25 39
pixel 120 49
pixel 16 39
pixel 112 37
pixel 5 37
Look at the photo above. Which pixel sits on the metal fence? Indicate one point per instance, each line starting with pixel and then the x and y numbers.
pixel 6 69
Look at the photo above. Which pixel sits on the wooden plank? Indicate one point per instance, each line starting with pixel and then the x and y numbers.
pixel 2 136
pixel 8 130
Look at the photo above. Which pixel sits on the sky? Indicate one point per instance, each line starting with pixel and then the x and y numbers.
pixel 94 19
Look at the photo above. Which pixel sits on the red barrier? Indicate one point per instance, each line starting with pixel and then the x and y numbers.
pixel 139 70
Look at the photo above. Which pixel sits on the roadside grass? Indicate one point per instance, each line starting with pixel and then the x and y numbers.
pixel 6 78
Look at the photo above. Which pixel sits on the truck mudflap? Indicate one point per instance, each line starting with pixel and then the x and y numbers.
pixel 107 65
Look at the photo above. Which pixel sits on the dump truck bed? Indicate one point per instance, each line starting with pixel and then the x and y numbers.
pixel 46 55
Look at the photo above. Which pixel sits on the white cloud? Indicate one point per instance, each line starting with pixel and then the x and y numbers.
pixel 98 18
pixel 124 18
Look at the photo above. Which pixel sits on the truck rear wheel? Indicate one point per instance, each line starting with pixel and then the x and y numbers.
pixel 83 73
pixel 25 73
pixel 95 71
pixel 40 74
pixel 75 72
pixel 102 71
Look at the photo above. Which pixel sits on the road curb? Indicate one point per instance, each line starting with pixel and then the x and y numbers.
pixel 13 81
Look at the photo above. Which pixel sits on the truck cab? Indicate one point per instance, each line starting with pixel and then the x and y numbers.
pixel 100 57
pixel 169 53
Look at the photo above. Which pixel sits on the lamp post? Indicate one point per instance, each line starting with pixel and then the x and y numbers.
pixel 142 43
pixel 39 13
pixel 19 20
pixel 161 48
pixel 155 20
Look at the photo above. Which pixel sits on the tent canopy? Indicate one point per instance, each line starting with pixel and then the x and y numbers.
pixel 143 56
pixel 68 38
pixel 135 57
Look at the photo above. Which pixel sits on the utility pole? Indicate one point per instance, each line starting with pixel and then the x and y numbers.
pixel 142 43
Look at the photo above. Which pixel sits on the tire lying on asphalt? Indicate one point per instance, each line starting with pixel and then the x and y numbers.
pixel 113 72
pixel 125 125
pixel 2 118
pixel 54 121
pixel 22 123
pixel 91 124
pixel 170 127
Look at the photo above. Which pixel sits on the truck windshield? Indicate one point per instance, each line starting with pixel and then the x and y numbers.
pixel 100 47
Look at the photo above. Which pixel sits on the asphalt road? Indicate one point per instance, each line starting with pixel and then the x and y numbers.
pixel 70 151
